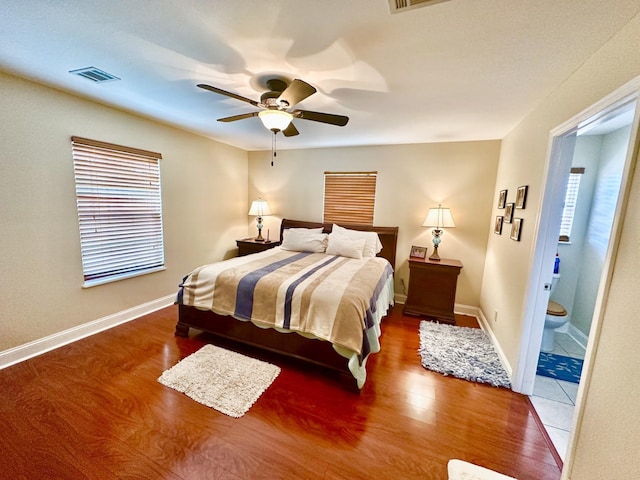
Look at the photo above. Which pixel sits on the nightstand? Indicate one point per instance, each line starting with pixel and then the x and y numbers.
pixel 249 245
pixel 432 289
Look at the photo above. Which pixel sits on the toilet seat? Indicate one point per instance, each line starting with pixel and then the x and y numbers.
pixel 555 309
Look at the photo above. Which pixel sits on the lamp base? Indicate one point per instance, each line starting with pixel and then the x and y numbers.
pixel 259 225
pixel 436 241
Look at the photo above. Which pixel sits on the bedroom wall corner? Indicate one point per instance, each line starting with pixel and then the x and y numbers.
pixel 411 179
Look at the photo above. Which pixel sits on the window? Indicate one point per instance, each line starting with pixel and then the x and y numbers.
pixel 349 197
pixel 570 200
pixel 119 210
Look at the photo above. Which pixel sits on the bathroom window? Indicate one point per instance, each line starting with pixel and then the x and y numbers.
pixel 570 201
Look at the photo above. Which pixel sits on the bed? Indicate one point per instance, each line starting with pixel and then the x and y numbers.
pixel 213 299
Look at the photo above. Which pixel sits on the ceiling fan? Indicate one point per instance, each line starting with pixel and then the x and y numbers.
pixel 275 104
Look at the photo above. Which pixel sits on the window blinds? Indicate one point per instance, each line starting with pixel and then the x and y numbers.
pixel 349 197
pixel 570 200
pixel 119 210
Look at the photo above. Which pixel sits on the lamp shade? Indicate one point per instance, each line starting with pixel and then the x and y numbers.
pixel 439 217
pixel 275 119
pixel 259 208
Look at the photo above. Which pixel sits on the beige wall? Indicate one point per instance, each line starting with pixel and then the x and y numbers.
pixel 411 179
pixel 204 193
pixel 206 200
pixel 606 437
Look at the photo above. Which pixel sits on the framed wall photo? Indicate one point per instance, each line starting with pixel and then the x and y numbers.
pixel 502 199
pixel 516 229
pixel 521 196
pixel 508 213
pixel 418 252
pixel 497 227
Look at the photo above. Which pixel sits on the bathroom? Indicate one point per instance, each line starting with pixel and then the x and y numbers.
pixel 597 168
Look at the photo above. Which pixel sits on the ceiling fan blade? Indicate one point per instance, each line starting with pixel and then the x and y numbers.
pixel 228 94
pixel 339 120
pixel 242 116
pixel 290 131
pixel 295 93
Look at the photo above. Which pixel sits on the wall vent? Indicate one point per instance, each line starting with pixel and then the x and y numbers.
pixel 94 74
pixel 397 6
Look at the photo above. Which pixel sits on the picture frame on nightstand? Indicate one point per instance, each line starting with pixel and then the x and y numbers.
pixel 418 252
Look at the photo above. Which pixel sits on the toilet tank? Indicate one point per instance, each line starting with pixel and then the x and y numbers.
pixel 554 281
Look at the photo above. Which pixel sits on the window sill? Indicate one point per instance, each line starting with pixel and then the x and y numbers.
pixel 116 278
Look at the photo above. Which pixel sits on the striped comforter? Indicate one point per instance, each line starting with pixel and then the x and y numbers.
pixel 332 298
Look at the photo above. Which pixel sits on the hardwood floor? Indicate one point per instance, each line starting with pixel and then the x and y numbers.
pixel 93 409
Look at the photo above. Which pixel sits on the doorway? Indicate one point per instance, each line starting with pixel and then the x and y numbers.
pixel 592 193
pixel 618 111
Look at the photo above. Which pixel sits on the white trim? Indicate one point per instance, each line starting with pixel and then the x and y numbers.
pixel 577 335
pixel 43 345
pixel 400 298
pixel 484 325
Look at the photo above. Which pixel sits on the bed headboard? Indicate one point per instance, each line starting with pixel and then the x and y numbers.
pixel 388 235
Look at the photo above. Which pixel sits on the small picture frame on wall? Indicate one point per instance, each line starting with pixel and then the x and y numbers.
pixel 502 199
pixel 418 252
pixel 521 196
pixel 497 227
pixel 516 229
pixel 508 213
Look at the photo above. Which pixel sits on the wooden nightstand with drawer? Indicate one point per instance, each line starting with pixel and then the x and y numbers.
pixel 249 245
pixel 432 289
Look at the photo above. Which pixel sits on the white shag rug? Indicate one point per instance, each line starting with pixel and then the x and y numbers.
pixel 462 352
pixel 218 378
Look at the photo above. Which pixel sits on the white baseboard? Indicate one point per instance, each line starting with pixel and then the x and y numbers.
pixel 43 345
pixel 484 324
pixel 400 298
pixel 578 336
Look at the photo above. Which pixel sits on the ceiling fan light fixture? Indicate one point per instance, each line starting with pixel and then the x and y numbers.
pixel 275 120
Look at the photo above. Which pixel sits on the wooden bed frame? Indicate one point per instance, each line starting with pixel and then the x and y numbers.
pixel 313 351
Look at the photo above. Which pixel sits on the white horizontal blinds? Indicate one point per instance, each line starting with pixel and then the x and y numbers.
pixel 349 197
pixel 570 200
pixel 119 210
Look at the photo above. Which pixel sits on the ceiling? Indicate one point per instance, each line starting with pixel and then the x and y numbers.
pixel 457 70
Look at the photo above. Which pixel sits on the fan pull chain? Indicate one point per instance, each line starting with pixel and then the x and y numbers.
pixel 274 153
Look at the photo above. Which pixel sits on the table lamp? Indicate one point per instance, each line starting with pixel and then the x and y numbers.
pixel 438 218
pixel 259 208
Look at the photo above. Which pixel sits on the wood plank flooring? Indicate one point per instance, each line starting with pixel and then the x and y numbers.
pixel 94 410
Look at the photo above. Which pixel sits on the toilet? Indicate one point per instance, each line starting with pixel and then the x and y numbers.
pixel 556 317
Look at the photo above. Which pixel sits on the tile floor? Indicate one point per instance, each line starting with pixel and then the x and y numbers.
pixel 554 400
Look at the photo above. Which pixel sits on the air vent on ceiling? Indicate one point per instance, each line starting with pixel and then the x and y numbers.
pixel 397 6
pixel 94 74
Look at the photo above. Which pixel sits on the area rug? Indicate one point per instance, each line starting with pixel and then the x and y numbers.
pixel 461 470
pixel 218 378
pixel 461 352
pixel 560 367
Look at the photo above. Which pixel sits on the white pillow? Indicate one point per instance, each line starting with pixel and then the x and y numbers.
pixel 307 230
pixel 304 241
pixel 372 245
pixel 345 246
